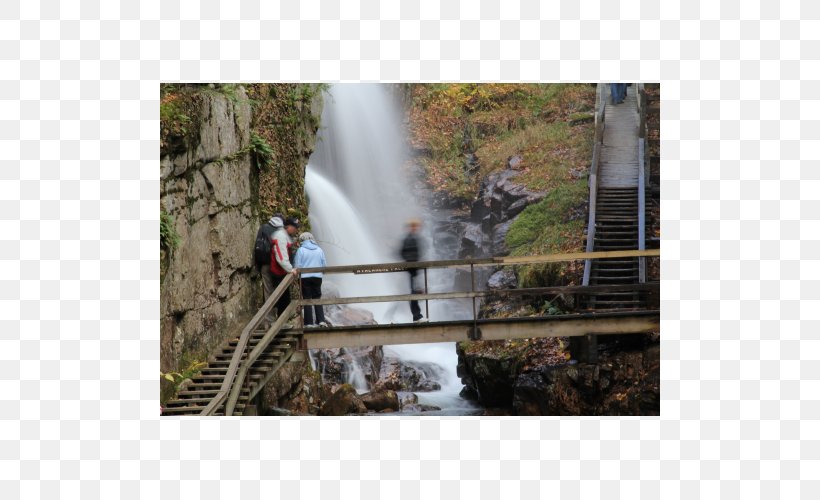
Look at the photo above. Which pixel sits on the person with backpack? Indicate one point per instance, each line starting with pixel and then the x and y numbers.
pixel 311 255
pixel 272 256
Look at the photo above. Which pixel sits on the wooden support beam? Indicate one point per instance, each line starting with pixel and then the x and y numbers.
pixel 457 331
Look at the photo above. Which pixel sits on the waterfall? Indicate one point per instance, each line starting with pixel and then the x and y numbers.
pixel 360 200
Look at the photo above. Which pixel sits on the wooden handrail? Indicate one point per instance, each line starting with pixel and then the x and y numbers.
pixel 641 212
pixel 567 290
pixel 600 123
pixel 256 352
pixel 391 267
pixel 641 98
pixel 242 343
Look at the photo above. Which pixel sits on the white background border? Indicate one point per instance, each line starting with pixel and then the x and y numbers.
pixel 79 269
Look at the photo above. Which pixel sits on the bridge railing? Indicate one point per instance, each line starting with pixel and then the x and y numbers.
pixel 472 264
pixel 600 123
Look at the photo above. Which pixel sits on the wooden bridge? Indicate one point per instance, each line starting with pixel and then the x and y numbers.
pixel 236 374
pixel 611 300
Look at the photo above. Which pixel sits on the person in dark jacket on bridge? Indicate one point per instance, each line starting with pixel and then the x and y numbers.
pixel 410 252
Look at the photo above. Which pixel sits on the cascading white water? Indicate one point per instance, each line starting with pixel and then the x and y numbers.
pixel 346 240
pixel 360 201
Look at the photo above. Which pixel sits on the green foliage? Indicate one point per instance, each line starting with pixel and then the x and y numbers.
pixel 228 90
pixel 188 373
pixel 261 150
pixel 173 119
pixel 533 121
pixel 179 113
pixel 550 309
pixel 553 225
pixel 539 225
pixel 168 236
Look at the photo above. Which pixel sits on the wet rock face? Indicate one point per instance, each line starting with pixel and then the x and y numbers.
pixel 344 401
pixel 500 201
pixel 502 198
pixel 294 388
pixel 622 383
pixel 490 379
pixel 410 376
pixel 207 285
pixel 472 241
pixel 335 365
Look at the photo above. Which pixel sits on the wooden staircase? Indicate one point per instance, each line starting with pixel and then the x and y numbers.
pixel 616 228
pixel 241 367
pixel 204 387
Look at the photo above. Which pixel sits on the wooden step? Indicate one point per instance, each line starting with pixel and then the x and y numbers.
pixel 204 392
pixel 215 371
pixel 178 402
pixel 208 378
pixel 205 385
pixel 183 410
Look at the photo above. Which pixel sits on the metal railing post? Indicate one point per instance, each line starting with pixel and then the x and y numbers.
pixel 426 302
pixel 475 315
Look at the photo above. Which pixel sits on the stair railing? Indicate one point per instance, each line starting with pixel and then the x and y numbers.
pixel 241 346
pixel 600 117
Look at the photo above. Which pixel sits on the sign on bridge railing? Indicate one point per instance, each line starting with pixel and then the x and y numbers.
pixel 380 270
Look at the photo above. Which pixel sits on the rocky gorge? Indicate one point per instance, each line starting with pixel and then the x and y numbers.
pixel 217 186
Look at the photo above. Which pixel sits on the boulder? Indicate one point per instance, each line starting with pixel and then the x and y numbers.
pixel 515 161
pixel 409 376
pixel 503 280
pixel 381 400
pixel 407 398
pixel 343 402
pixel 348 316
pixel 492 377
pixel 504 197
pixel 420 408
pixel 343 315
pixel 472 241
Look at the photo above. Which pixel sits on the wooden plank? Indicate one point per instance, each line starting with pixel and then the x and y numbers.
pixel 410 334
pixel 456 331
pixel 573 328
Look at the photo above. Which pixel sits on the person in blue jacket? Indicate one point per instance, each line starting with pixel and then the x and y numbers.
pixel 310 255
